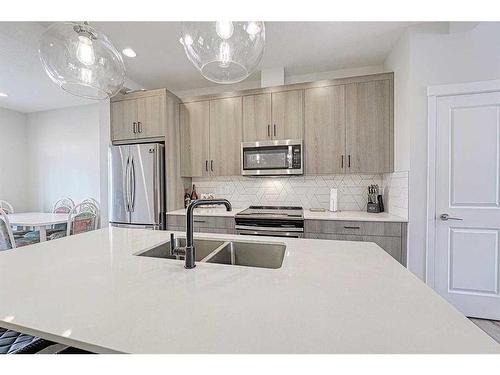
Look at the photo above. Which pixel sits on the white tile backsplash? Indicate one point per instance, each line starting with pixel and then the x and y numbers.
pixel 305 191
pixel 396 193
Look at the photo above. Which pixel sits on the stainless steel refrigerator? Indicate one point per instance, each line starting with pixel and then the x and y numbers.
pixel 138 186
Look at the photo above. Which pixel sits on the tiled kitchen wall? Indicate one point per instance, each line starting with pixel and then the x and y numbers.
pixel 305 191
pixel 396 193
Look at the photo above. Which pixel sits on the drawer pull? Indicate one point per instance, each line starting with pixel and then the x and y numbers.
pixel 200 221
pixel 346 227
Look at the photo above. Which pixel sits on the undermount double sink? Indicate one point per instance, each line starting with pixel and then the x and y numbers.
pixel 250 254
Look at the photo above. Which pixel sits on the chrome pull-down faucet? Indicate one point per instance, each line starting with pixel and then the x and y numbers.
pixel 189 251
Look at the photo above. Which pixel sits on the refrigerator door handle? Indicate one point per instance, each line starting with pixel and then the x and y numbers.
pixel 132 185
pixel 126 185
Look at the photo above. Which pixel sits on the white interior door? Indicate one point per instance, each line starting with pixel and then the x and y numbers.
pixel 467 249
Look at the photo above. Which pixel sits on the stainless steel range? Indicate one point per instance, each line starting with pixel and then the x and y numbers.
pixel 275 221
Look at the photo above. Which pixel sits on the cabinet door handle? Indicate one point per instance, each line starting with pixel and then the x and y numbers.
pixel 349 161
pixel 212 165
pixel 347 227
pixel 268 131
pixel 134 127
pixel 342 162
pixel 139 127
pixel 274 130
pixel 206 165
pixel 199 221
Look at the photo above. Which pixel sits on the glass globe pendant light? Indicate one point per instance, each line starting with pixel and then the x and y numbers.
pixel 81 60
pixel 224 51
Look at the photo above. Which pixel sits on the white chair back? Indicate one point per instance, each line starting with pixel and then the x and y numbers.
pixel 64 206
pixel 98 208
pixel 6 236
pixel 7 207
pixel 82 218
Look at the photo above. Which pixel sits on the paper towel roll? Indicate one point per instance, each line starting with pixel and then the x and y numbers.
pixel 334 201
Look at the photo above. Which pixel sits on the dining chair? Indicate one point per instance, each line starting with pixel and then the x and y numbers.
pixel 98 206
pixel 63 206
pixel 82 218
pixel 7 239
pixel 9 209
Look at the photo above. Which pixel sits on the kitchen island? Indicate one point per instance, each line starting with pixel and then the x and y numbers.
pixel 90 291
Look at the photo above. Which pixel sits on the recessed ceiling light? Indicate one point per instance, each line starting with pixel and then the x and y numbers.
pixel 3 95
pixel 129 52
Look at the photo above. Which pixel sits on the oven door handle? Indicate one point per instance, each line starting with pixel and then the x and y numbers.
pixel 268 229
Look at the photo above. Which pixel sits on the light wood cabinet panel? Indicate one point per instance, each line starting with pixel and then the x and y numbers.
pixel 257 117
pixel 151 116
pixel 324 130
pixel 195 124
pixel 225 136
pixel 288 115
pixel 123 117
pixel 368 127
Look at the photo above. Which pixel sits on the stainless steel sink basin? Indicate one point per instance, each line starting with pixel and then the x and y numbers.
pixel 203 248
pixel 250 254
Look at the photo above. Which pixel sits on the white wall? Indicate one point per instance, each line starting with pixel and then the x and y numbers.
pixel 13 159
pixel 63 155
pixel 434 56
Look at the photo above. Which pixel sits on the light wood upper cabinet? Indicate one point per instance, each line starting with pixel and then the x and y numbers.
pixel 257 117
pixel 151 115
pixel 324 140
pixel 123 120
pixel 273 116
pixel 287 114
pixel 195 125
pixel 225 136
pixel 142 116
pixel 369 127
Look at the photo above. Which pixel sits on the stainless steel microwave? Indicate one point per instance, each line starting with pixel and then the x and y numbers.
pixel 271 158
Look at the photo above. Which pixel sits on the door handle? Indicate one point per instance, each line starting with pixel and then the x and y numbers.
pixel 134 127
pixel 274 126
pixel 139 127
pixel 206 165
pixel 269 130
pixel 132 180
pixel 342 162
pixel 446 217
pixel 212 165
pixel 349 161
pixel 126 185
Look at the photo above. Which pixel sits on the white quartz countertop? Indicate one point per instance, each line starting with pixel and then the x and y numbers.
pixel 90 291
pixel 308 215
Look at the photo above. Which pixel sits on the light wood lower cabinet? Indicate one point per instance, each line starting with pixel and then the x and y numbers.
pixel 202 224
pixel 388 235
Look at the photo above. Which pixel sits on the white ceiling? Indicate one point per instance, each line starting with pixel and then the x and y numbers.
pixel 299 47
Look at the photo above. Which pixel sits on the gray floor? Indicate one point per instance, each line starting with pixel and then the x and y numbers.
pixel 491 327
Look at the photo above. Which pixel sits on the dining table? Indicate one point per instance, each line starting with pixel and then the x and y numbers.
pixel 38 220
